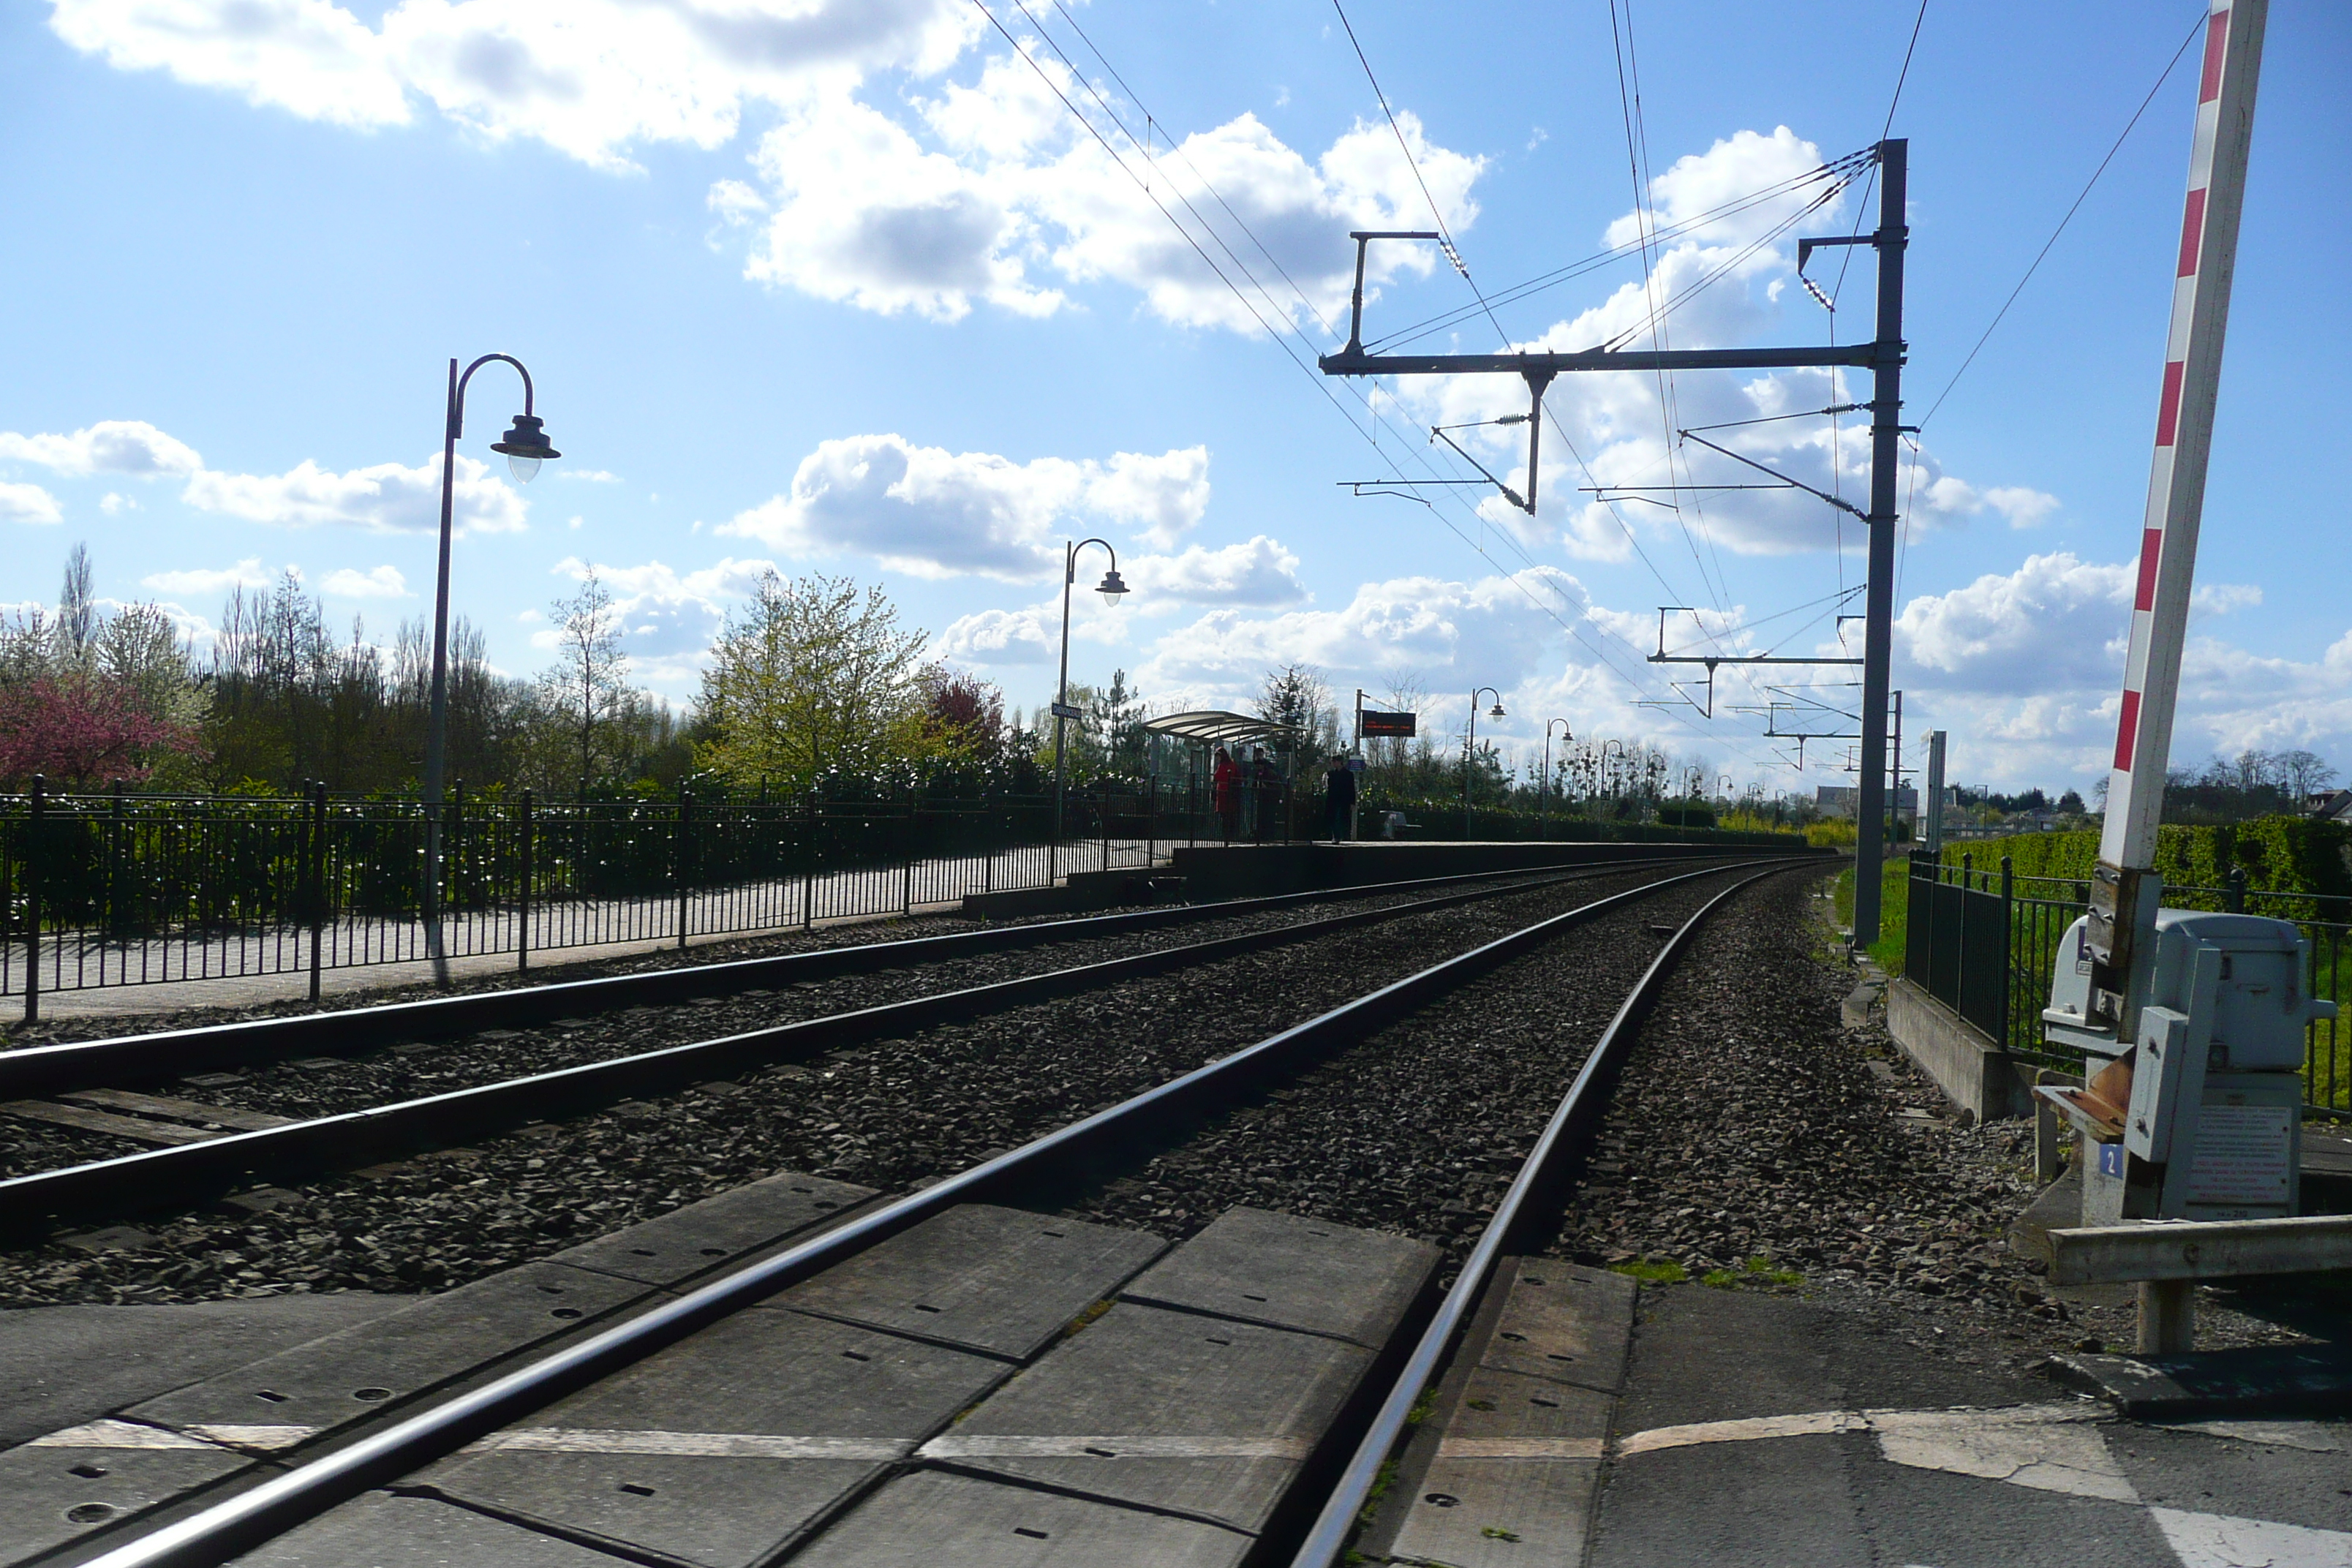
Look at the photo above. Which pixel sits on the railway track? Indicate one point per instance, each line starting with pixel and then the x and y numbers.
pixel 166 1055
pixel 972 1374
pixel 274 1131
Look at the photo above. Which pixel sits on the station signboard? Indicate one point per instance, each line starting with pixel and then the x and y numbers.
pixel 1396 724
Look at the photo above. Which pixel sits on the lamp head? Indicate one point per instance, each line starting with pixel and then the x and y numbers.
pixel 1112 587
pixel 1495 711
pixel 526 446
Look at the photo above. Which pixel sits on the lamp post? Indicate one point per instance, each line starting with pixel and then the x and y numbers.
pixel 1566 739
pixel 526 446
pixel 1112 588
pixel 1470 749
pixel 1612 774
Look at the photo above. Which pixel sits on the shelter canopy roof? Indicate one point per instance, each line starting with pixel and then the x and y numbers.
pixel 1211 726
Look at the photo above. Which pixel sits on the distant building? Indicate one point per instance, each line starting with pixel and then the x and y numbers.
pixel 2330 804
pixel 1844 800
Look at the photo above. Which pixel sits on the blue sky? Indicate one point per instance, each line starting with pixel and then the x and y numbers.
pixel 842 286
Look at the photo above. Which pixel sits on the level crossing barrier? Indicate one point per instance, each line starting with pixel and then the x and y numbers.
pixel 1984 941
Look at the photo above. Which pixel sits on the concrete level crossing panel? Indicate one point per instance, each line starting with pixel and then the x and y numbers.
pixel 929 1519
pixel 1507 1470
pixel 677 1246
pixel 1565 1323
pixel 1289 1272
pixel 382 1532
pixel 289 1397
pixel 1172 1411
pixel 1512 1479
pixel 723 1448
pixel 64 1485
pixel 998 1280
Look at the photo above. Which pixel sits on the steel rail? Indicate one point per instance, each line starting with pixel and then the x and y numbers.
pixel 126 1058
pixel 1564 1140
pixel 190 1173
pixel 219 1532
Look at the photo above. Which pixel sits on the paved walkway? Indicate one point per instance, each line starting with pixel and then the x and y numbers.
pixel 245 970
pixel 1759 1432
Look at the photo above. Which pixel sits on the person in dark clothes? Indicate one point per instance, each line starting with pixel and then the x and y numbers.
pixel 1268 780
pixel 1338 799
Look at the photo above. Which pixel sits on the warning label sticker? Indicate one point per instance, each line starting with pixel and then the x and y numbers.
pixel 2241 1155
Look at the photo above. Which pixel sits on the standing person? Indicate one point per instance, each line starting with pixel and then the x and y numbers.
pixel 1269 779
pixel 1224 792
pixel 1338 799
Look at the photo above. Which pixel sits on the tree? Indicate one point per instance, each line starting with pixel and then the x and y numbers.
pixel 88 699
pixel 81 734
pixel 1114 721
pixel 1298 696
pixel 2307 775
pixel 965 716
pixel 586 696
pixel 812 675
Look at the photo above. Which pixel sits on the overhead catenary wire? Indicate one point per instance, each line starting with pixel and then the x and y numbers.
pixel 2080 196
pixel 1574 630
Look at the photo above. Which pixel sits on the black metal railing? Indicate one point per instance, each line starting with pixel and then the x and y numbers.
pixel 1985 943
pixel 126 889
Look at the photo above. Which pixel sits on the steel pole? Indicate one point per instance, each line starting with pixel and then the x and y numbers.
pixel 437 723
pixel 1061 725
pixel 1878 620
pixel 1469 750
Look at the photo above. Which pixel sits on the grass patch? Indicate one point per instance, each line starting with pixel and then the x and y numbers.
pixel 1661 1271
pixel 1893 907
pixel 1756 1272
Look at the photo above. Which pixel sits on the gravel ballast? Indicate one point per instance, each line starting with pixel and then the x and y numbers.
pixel 329 1086
pixel 1756 1142
pixel 888 1115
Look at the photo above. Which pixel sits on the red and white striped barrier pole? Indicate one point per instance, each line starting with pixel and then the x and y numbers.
pixel 2123 901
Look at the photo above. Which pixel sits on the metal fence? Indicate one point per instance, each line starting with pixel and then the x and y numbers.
pixel 125 890
pixel 1984 943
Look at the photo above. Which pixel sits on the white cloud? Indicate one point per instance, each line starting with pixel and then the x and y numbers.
pixel 2221 598
pixel 668 618
pixel 383 498
pixel 130 446
pixel 1626 425
pixel 115 501
pixel 2025 669
pixel 1003 636
pixel 2024 507
pixel 247 574
pixel 923 196
pixel 591 78
pixel 588 476
pixel 1258 573
pixel 932 513
pixel 1483 633
pixel 308 56
pixel 376 582
pixel 28 503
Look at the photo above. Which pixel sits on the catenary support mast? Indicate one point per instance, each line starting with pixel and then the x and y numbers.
pixel 2125 893
pixel 1882 356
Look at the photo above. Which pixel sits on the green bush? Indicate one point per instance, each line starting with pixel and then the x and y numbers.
pixel 2288 855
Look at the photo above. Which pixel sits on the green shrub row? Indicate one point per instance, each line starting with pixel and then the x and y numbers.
pixel 2289 855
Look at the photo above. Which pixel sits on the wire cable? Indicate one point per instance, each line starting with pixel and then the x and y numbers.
pixel 2162 77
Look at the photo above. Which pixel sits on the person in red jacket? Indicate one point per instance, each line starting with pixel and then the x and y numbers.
pixel 1224 793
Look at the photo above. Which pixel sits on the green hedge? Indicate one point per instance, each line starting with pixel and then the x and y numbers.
pixel 2279 855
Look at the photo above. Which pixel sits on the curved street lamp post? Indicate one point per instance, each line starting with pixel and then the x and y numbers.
pixel 1470 749
pixel 526 446
pixel 1112 588
pixel 1566 739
